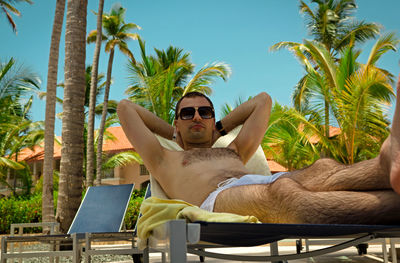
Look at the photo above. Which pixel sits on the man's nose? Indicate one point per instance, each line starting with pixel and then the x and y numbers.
pixel 197 116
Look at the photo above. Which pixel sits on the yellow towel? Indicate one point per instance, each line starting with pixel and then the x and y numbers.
pixel 156 211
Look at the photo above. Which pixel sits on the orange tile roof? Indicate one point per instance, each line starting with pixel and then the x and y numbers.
pixel 333 131
pixel 37 152
pixel 276 167
pixel 120 143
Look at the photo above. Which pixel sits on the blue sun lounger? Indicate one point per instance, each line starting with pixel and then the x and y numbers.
pixel 181 238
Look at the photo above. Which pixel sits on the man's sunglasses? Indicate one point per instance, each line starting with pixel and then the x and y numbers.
pixel 205 112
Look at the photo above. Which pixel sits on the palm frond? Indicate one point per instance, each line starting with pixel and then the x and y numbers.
pixel 122 159
pixel 384 44
pixel 360 31
pixel 205 76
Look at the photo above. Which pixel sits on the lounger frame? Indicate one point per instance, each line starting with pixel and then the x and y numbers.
pixel 177 238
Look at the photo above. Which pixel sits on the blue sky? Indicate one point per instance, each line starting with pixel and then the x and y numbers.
pixel 236 32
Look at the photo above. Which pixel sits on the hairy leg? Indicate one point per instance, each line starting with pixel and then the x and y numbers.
pixel 329 175
pixel 285 201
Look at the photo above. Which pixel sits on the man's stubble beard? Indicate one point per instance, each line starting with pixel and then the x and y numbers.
pixel 199 138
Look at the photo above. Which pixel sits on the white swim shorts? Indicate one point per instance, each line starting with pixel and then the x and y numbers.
pixel 247 179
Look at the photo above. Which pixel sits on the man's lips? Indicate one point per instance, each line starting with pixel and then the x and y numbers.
pixel 197 126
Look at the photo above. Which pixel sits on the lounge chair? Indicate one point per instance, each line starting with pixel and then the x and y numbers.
pixel 99 218
pixel 179 238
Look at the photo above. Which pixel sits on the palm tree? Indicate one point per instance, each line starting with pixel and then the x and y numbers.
pixel 7 6
pixel 117 33
pixel 71 168
pixel 92 99
pixel 16 136
pixel 289 138
pixel 354 93
pixel 227 108
pixel 17 81
pixel 16 133
pixel 332 24
pixel 159 81
pixel 52 71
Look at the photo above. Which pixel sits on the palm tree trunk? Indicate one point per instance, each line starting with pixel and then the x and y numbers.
pixel 92 99
pixel 325 152
pixel 47 195
pixel 71 169
pixel 103 119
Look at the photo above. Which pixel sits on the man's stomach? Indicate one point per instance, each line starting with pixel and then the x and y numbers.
pixel 195 186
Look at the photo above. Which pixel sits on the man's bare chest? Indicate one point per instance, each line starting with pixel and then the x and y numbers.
pixel 211 155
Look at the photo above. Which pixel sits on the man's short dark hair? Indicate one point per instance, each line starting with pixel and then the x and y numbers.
pixel 191 95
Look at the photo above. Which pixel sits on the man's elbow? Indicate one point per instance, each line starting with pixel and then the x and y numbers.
pixel 265 100
pixel 122 106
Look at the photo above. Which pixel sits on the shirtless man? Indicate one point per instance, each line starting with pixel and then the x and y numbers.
pixel 217 180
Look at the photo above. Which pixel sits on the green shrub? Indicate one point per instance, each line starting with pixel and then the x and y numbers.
pixel 133 210
pixel 20 209
pixel 39 183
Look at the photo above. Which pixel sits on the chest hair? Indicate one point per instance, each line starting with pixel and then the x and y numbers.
pixel 207 154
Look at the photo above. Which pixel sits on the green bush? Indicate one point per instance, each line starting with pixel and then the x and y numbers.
pixel 20 209
pixel 133 210
pixel 39 183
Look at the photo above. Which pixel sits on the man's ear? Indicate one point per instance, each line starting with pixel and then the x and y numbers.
pixel 175 123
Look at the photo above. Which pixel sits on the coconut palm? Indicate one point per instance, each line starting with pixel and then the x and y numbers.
pixel 117 32
pixel 289 138
pixel 16 137
pixel 16 80
pixel 71 172
pixel 159 81
pixel 332 24
pixel 17 133
pixel 227 108
pixel 355 94
pixel 52 71
pixel 17 83
pixel 7 6
pixel 98 92
pixel 92 99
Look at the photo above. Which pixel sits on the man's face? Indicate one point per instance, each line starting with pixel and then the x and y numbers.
pixel 196 130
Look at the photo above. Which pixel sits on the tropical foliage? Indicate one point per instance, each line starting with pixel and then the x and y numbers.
pixel 355 94
pixel 117 33
pixel 289 138
pixel 337 89
pixel 159 81
pixel 17 131
pixel 332 24
pixel 7 7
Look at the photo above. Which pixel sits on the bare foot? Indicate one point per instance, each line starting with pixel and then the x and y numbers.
pixel 395 145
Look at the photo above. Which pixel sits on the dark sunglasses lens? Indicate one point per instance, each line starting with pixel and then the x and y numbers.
pixel 206 112
pixel 187 113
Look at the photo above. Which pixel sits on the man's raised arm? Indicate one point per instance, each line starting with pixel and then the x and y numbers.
pixel 139 125
pixel 254 115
